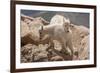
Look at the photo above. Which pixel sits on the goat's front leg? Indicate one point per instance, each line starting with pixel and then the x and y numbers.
pixel 70 46
pixel 64 51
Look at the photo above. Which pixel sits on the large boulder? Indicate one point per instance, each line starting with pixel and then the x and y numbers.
pixel 30 29
pixel 80 39
pixel 26 53
pixel 33 53
pixel 42 20
pixel 40 53
pixel 24 29
pixel 84 50
pixel 28 35
pixel 79 32
pixel 26 19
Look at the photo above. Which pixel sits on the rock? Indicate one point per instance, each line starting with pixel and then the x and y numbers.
pixel 26 53
pixel 75 57
pixel 84 50
pixel 41 57
pixel 41 53
pixel 34 29
pixel 79 37
pixel 30 29
pixel 42 20
pixel 33 53
pixel 57 58
pixel 79 32
pixel 27 35
pixel 24 29
pixel 26 19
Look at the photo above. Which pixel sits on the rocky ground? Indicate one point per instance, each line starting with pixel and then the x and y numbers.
pixel 35 50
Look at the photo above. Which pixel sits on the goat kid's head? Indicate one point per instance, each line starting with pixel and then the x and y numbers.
pixel 66 25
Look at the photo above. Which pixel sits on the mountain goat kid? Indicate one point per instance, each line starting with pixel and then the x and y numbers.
pixel 61 33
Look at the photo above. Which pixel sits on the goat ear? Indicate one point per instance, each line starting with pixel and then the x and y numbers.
pixel 68 20
pixel 63 20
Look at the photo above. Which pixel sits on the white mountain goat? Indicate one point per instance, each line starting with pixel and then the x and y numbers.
pixel 61 33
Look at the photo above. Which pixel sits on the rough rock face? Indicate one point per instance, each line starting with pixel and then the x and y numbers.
pixel 84 51
pixel 42 20
pixel 30 53
pixel 41 53
pixel 26 18
pixel 30 29
pixel 26 53
pixel 33 49
pixel 57 58
pixel 24 29
pixel 79 32
pixel 28 35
